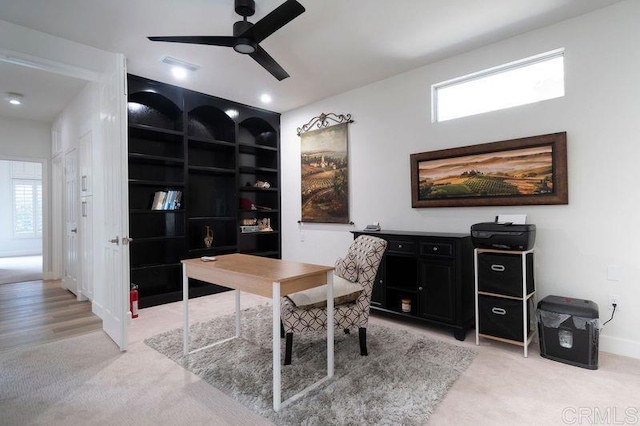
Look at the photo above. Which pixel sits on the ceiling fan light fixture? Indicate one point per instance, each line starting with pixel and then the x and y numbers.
pixel 245 46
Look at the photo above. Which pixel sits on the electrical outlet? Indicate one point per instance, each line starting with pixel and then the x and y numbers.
pixel 614 299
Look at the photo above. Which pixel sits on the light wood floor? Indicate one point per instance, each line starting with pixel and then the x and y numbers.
pixel 36 312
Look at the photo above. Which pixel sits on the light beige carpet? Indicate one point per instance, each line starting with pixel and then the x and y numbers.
pixel 20 269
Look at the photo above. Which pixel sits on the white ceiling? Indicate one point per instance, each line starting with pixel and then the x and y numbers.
pixel 335 46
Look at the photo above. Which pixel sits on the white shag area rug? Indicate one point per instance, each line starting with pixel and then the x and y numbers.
pixel 401 381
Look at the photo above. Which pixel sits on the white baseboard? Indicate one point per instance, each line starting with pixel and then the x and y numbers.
pixel 97 309
pixel 20 253
pixel 618 346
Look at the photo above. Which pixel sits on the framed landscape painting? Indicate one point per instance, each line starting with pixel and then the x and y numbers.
pixel 325 174
pixel 524 171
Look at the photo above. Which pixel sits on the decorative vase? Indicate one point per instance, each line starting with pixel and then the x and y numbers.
pixel 208 239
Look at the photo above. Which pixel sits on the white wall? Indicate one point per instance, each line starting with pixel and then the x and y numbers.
pixel 78 118
pixel 24 138
pixel 21 140
pixel 600 113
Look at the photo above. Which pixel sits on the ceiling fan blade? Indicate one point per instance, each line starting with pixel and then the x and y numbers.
pixel 275 20
pixel 268 63
pixel 208 40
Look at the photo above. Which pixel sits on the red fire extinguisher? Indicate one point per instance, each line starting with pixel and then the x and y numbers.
pixel 133 301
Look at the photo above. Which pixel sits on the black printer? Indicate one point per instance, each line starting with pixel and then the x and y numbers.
pixel 503 236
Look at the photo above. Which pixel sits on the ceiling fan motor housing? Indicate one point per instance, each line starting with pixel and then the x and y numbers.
pixel 245 7
pixel 243 44
pixel 240 27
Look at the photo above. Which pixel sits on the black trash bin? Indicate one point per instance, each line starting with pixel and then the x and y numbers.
pixel 569 329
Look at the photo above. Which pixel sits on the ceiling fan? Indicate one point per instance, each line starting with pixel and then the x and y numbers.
pixel 247 36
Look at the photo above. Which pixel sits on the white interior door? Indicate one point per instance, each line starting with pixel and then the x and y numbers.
pixel 113 116
pixel 70 275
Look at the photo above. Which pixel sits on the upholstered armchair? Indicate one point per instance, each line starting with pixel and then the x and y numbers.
pixel 353 283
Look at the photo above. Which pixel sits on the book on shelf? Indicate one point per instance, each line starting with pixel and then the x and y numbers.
pixel 166 200
pixel 158 199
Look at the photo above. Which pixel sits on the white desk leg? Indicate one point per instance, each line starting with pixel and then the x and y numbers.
pixel 237 313
pixel 330 324
pixel 475 295
pixel 185 309
pixel 276 347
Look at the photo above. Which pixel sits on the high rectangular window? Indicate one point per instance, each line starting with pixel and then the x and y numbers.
pixel 522 82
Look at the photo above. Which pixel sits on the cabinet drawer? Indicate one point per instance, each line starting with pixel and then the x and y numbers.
pixel 501 317
pixel 436 249
pixel 401 246
pixel 502 273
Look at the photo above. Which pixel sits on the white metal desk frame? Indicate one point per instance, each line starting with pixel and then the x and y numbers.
pixel 277 377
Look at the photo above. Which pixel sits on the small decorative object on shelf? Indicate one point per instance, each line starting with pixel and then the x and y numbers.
pixel 265 224
pixel 249 229
pixel 208 239
pixel 250 222
pixel 406 305
pixel 262 184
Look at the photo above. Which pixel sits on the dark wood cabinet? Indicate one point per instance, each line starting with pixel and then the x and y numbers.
pixel 427 277
pixel 213 151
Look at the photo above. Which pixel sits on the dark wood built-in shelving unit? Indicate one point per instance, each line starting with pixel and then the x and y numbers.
pixel 209 149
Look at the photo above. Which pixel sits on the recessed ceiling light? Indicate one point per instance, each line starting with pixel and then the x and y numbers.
pixel 14 98
pixel 265 98
pixel 179 72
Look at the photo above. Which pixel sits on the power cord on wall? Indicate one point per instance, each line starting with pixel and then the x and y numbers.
pixel 615 305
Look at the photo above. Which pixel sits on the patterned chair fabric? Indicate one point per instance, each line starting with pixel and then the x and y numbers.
pixel 367 252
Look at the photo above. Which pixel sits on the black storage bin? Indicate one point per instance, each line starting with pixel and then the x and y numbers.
pixel 569 331
pixel 501 317
pixel 501 273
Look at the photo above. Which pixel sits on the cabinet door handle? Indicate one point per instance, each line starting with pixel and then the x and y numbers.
pixel 498 268
pixel 420 288
pixel 399 245
pixel 498 311
pixel 435 249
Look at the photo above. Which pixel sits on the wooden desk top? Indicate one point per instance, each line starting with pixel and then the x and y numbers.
pixel 256 274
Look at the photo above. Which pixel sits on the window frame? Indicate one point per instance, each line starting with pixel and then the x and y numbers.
pixel 510 66
pixel 37 205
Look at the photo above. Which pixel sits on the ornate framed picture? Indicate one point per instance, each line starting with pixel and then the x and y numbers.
pixel 325 175
pixel 523 171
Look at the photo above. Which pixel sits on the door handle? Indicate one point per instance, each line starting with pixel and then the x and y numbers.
pixel 74 230
pixel 116 241
pixel 126 240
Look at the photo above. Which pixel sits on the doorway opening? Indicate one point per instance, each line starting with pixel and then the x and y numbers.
pixel 21 232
